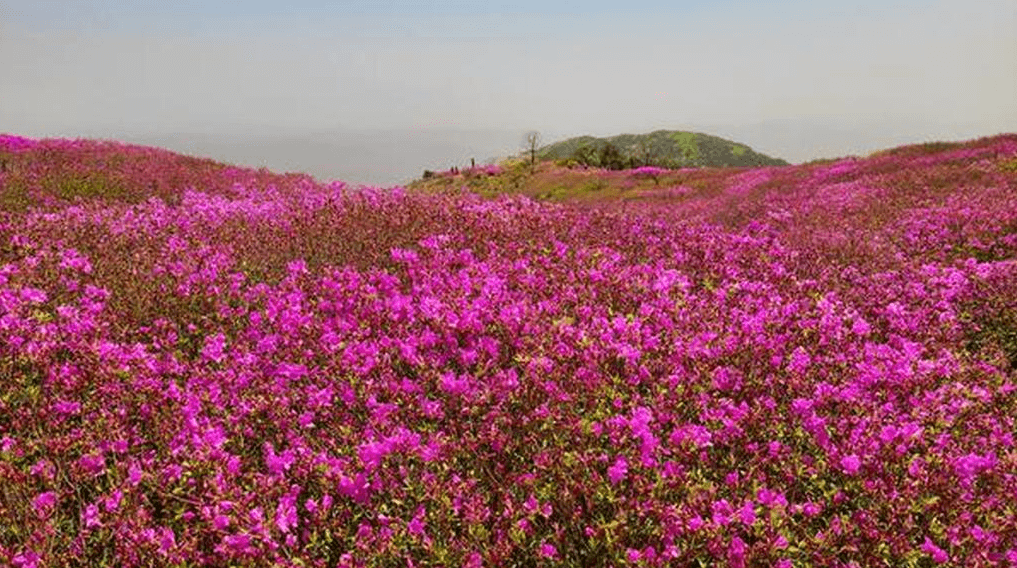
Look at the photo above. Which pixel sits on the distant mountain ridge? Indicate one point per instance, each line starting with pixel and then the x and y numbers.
pixel 664 148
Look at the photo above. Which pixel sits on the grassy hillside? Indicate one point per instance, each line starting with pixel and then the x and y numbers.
pixel 665 148
pixel 552 181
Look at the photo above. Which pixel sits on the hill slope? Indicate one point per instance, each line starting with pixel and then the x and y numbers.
pixel 54 172
pixel 664 148
pixel 798 366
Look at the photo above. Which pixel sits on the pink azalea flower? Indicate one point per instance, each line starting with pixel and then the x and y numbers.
pixel 851 464
pixel 221 522
pixel 416 525
pixel 44 502
pixel 736 553
pixel 214 348
pixel 548 551
pixel 747 514
pixel 33 295
pixel 938 554
pixel 238 543
pixel 617 472
pixel 90 516
pixel 168 541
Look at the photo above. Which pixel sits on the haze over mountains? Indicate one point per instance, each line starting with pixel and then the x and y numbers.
pixel 382 157
pixel 386 157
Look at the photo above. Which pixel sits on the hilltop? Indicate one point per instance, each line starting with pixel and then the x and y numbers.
pixel 661 148
pixel 627 166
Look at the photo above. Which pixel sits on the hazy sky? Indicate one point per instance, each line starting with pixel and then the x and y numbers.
pixel 787 76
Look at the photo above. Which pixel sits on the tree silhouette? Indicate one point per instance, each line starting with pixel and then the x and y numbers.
pixel 611 158
pixel 646 151
pixel 586 155
pixel 531 143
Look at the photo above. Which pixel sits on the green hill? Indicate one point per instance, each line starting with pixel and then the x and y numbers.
pixel 664 148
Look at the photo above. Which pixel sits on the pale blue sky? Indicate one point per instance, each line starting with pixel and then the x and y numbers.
pixel 186 13
pixel 878 73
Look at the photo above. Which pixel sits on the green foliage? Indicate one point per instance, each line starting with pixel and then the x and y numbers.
pixel 936 147
pixel 556 192
pixel 662 148
pixel 92 186
pixel 1009 166
pixel 821 162
pixel 593 186
pixel 997 330
pixel 686 142
pixel 586 154
pixel 912 150
pixel 992 320
pixel 612 158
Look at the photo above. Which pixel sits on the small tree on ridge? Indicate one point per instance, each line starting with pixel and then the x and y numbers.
pixel 532 142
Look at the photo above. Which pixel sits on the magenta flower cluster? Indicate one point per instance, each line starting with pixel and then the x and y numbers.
pixel 648 171
pixel 802 366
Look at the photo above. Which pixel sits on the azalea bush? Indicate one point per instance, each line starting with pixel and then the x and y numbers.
pixel 803 366
pixel 651 172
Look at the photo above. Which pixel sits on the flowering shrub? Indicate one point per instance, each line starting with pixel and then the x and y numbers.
pixel 798 366
pixel 648 172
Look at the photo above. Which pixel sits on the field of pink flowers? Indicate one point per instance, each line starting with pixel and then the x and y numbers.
pixel 801 366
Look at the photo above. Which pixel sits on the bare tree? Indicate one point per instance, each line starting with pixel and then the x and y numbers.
pixel 531 143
